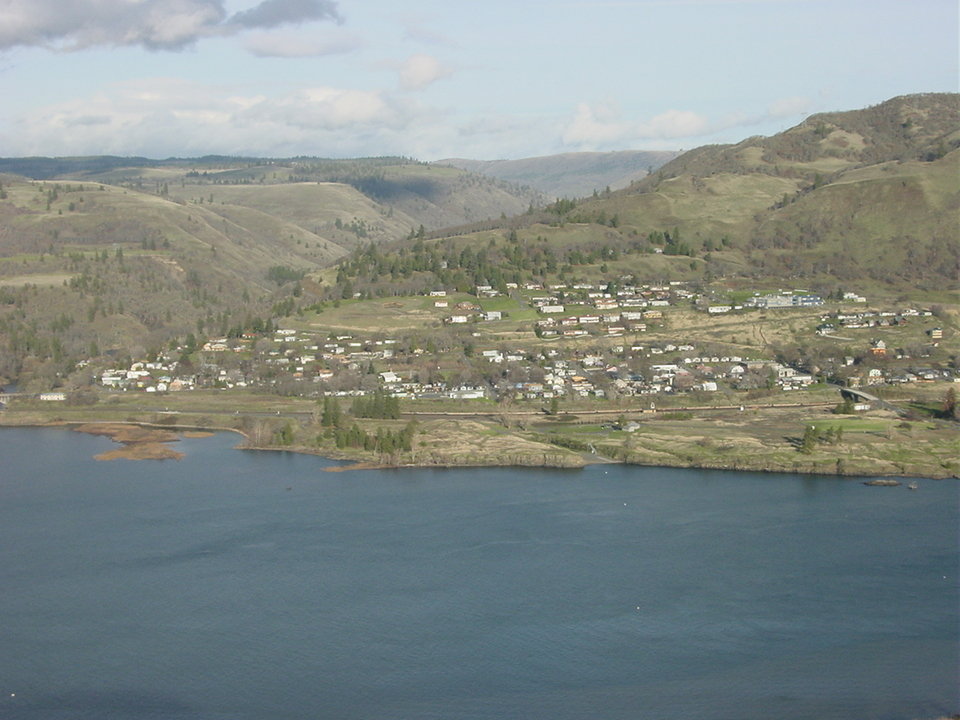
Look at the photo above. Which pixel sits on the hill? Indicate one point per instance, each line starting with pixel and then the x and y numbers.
pixel 108 257
pixel 866 197
pixel 119 255
pixel 412 192
pixel 570 175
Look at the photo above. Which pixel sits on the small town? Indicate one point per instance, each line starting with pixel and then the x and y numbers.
pixel 610 357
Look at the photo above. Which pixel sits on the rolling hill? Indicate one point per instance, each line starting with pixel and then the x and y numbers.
pixel 119 255
pixel 570 175
pixel 116 256
pixel 867 196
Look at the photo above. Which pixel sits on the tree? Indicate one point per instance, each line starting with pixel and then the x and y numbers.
pixel 809 440
pixel 951 408
pixel 331 412
pixel 844 408
pixel 554 406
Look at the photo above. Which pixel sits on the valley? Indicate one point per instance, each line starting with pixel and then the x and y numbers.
pixel 704 313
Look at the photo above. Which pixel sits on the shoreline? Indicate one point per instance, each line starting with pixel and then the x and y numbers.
pixel 537 459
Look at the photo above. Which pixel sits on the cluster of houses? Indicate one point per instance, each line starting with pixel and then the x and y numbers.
pixel 872 319
pixel 785 300
pixel 348 365
pixel 899 376
pixel 308 363
pixel 154 376
pixel 573 310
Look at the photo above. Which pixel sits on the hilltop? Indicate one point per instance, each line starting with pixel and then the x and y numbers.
pixel 120 255
pixel 117 257
pixel 867 197
pixel 570 175
pixel 403 190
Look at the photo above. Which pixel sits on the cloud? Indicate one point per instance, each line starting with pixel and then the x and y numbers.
pixel 288 45
pixel 674 124
pixel 785 107
pixel 87 120
pixel 595 126
pixel 419 71
pixel 273 13
pixel 328 108
pixel 161 117
pixel 601 126
pixel 152 24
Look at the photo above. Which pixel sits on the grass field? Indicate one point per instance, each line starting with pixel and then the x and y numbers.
pixel 49 279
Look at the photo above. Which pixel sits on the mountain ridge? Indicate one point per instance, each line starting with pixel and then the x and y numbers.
pixel 120 258
pixel 575 174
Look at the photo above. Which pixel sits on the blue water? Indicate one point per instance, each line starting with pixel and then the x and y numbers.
pixel 234 585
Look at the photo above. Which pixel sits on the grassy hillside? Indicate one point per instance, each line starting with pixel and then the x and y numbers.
pixel 571 174
pixel 910 127
pixel 115 256
pixel 127 255
pixel 404 191
pixel 862 194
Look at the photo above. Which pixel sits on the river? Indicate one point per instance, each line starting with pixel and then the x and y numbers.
pixel 236 585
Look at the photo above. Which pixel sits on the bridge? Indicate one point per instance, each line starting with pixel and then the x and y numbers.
pixel 856 395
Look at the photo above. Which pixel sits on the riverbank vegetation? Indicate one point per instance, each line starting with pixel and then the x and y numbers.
pixel 758 438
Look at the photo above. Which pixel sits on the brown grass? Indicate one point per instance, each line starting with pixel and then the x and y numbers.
pixel 141 451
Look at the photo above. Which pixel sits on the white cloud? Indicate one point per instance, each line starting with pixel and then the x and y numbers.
pixel 674 124
pixel 153 24
pixel 786 107
pixel 160 117
pixel 595 126
pixel 602 127
pixel 327 108
pixel 418 71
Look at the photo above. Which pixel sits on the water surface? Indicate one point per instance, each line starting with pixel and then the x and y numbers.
pixel 238 585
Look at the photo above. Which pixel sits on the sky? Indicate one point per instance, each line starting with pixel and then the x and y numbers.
pixel 434 79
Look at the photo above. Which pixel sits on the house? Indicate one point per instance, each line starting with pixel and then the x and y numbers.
pixel 785 300
pixel 466 393
pixel 111 378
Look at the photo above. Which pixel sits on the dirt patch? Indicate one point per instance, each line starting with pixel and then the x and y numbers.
pixel 52 279
pixel 355 466
pixel 118 432
pixel 464 442
pixel 141 451
pixel 139 443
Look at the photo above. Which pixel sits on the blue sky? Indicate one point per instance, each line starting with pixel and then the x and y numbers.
pixel 434 79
